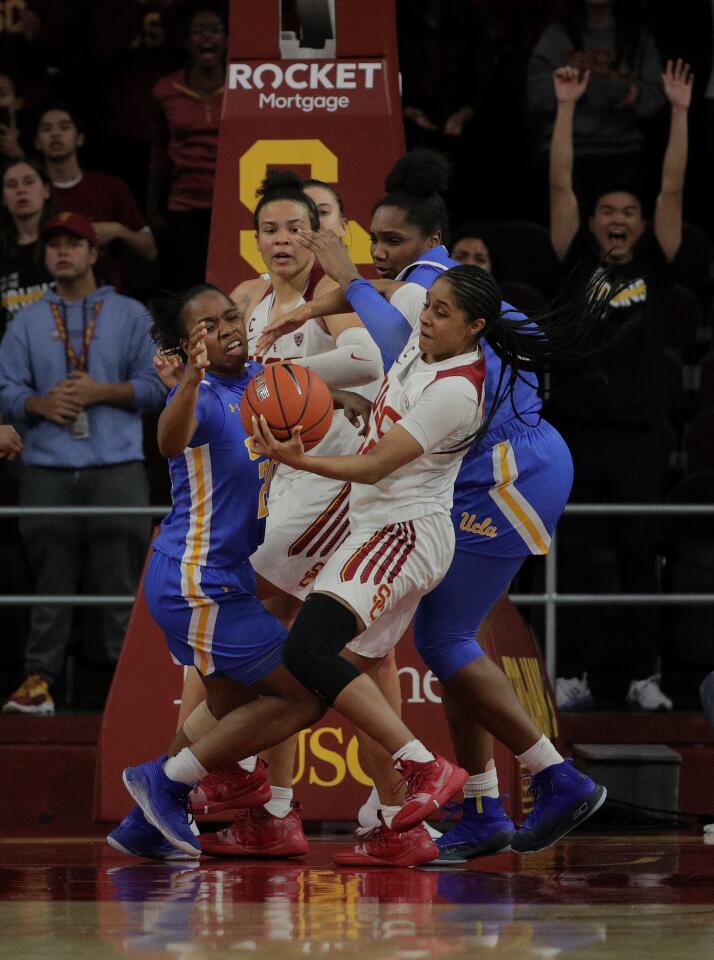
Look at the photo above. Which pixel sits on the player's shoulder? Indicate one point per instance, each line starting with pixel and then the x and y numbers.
pixel 249 292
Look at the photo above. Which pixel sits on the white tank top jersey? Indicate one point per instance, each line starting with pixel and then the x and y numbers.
pixel 308 341
pixel 440 405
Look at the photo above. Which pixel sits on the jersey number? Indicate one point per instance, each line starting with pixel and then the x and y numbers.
pixel 266 472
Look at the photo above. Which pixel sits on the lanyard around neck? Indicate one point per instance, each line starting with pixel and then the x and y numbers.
pixel 73 361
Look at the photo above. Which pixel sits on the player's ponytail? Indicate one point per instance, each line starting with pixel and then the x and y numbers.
pixel 538 343
pixel 284 185
pixel 414 185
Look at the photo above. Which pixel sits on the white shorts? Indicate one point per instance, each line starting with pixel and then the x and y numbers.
pixel 382 575
pixel 308 518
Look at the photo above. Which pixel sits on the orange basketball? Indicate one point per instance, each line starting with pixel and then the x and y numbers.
pixel 288 395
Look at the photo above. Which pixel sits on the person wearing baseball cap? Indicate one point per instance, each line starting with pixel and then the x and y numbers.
pixel 76 374
pixel 74 223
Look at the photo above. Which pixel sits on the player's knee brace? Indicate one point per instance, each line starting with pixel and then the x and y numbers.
pixel 312 651
pixel 198 722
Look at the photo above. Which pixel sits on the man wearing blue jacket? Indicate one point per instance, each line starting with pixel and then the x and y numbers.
pixel 76 374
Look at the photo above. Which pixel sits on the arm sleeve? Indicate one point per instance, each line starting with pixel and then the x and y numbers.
pixel 17 382
pixel 387 326
pixel 354 362
pixel 447 412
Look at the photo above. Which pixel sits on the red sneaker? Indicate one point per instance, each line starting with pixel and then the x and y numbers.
pixel 222 794
pixel 258 833
pixel 384 847
pixel 429 786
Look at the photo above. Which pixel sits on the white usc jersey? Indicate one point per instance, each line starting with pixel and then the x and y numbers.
pixel 440 405
pixel 290 346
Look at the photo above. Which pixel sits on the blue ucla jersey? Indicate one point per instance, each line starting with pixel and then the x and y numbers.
pixel 512 485
pixel 219 487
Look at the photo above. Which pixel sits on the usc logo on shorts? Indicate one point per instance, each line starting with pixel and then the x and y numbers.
pixel 311 574
pixel 379 600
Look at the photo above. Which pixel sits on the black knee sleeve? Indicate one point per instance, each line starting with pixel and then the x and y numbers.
pixel 312 650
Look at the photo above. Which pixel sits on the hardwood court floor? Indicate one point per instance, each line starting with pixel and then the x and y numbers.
pixel 638 897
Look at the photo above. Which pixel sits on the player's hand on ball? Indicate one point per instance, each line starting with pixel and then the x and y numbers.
pixel 198 360
pixel 288 451
pixel 278 328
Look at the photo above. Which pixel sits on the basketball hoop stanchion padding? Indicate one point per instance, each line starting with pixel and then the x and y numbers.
pixel 140 719
pixel 335 118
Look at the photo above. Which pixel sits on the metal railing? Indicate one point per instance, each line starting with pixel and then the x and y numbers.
pixel 550 599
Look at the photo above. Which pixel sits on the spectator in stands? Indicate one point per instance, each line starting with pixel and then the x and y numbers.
pixel 102 198
pixel 469 246
pixel 10 106
pixel 608 409
pixel 185 145
pixel 25 206
pixel 75 373
pixel 134 44
pixel 606 38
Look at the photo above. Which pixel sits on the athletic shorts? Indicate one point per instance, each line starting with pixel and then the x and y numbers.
pixel 307 520
pixel 383 574
pixel 212 619
pixel 511 514
pixel 509 498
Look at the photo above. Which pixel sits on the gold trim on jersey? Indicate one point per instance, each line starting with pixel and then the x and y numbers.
pixel 513 504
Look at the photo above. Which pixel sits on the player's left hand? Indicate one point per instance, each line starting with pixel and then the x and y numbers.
pixel 356 408
pixel 169 367
pixel 331 253
pixel 290 451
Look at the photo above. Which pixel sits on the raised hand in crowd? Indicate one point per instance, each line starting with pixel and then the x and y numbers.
pixel 677 81
pixel 570 84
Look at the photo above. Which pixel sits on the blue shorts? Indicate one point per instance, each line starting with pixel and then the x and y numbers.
pixel 507 502
pixel 212 619
pixel 509 497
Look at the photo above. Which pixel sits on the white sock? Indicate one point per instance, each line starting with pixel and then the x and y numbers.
pixel 482 785
pixel 249 764
pixel 541 755
pixel 389 813
pixel 413 750
pixel 279 803
pixel 185 768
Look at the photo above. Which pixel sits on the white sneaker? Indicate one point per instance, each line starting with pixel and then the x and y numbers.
pixel 573 693
pixel 647 695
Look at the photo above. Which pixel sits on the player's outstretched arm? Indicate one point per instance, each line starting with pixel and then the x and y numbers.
pixel 677 80
pixel 178 421
pixel 395 449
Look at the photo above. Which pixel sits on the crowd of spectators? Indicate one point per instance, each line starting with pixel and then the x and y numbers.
pixel 109 117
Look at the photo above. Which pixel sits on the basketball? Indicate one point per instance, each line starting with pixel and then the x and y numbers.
pixel 288 395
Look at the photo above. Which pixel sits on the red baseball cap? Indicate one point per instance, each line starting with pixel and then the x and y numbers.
pixel 74 223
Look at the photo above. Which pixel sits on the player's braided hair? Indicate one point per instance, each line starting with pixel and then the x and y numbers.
pixel 167 311
pixel 285 185
pixel 414 185
pixel 546 339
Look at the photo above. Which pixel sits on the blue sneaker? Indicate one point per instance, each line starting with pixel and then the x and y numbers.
pixel 563 798
pixel 164 803
pixel 484 828
pixel 136 837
